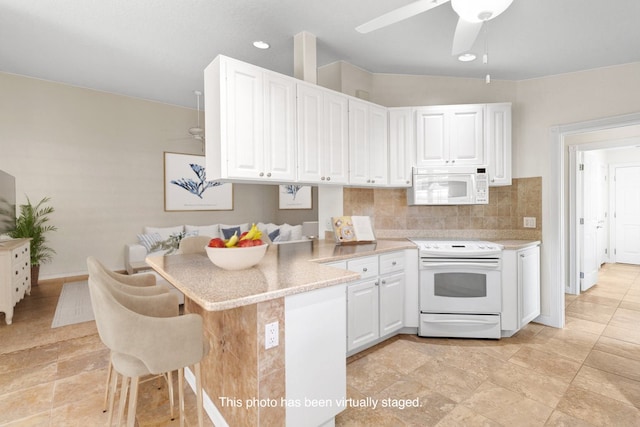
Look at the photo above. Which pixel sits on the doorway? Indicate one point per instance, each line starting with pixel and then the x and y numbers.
pixel 591 216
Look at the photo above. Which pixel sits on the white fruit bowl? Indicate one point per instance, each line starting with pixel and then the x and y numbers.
pixel 236 258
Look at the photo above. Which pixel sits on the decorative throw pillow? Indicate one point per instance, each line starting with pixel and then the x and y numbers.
pixel 149 240
pixel 204 230
pixel 228 232
pixel 164 232
pixel 284 236
pixel 274 234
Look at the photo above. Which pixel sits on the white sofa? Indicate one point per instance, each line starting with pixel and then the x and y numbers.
pixel 159 238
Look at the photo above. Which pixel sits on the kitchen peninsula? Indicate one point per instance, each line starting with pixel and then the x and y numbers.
pixel 302 379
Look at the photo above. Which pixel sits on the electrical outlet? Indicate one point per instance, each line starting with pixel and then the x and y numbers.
pixel 270 335
pixel 529 222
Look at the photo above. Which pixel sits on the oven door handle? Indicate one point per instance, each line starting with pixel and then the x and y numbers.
pixel 481 265
pixel 469 322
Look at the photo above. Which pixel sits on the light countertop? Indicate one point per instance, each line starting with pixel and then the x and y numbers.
pixel 285 270
pixel 516 244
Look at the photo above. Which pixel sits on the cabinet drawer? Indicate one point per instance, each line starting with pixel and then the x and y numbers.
pixel 391 263
pixel 367 266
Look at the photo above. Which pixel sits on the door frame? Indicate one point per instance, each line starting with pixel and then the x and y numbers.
pixel 561 235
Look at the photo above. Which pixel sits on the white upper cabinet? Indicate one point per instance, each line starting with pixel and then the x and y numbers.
pixel 401 146
pixel 368 147
pixel 450 135
pixel 249 122
pixel 498 140
pixel 323 136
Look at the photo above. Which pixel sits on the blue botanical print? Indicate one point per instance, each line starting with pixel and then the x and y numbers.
pixel 196 187
pixel 293 190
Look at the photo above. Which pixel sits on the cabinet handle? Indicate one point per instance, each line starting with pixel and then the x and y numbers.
pixel 364 269
pixel 368 180
pixel 384 282
pixel 328 178
pixel 269 174
pixel 377 283
pixel 373 181
pixel 521 255
pixel 493 180
pixel 261 173
pixel 446 161
pixel 322 178
pixel 393 263
pixel 453 161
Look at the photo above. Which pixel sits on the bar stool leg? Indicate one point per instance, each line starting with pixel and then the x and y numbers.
pixel 133 401
pixel 181 395
pixel 106 390
pixel 123 398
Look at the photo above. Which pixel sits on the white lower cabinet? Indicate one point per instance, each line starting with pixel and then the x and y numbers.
pixel 375 304
pixel 15 275
pixel 520 288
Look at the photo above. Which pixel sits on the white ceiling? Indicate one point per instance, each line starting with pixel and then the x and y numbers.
pixel 157 49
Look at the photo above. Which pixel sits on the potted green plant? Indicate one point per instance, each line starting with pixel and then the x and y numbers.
pixel 32 222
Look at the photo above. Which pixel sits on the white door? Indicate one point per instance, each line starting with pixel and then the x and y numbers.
pixel 335 166
pixel 378 145
pixel 358 143
pixel 432 136
pixel 627 214
pixel 362 313
pixel 391 303
pixel 310 133
pixel 589 223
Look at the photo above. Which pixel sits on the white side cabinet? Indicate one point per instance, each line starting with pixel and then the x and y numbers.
pixel 323 136
pixel 402 143
pixel 368 144
pixel 375 304
pixel 520 288
pixel 15 275
pixel 250 122
pixel 450 135
pixel 498 140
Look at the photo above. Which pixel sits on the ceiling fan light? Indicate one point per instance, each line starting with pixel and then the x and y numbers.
pixel 467 57
pixel 479 10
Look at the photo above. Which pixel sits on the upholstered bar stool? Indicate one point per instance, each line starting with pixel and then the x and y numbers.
pixel 144 344
pixel 142 285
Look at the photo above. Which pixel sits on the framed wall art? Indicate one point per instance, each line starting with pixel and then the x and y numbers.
pixel 186 187
pixel 295 196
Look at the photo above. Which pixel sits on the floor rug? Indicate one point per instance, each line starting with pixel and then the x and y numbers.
pixel 74 305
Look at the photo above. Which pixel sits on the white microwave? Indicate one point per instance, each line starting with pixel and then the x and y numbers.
pixel 456 185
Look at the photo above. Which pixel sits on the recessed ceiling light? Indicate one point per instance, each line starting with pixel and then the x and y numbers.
pixel 466 57
pixel 260 44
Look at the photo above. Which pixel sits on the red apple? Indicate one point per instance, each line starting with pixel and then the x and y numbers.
pixel 256 242
pixel 244 233
pixel 245 243
pixel 216 243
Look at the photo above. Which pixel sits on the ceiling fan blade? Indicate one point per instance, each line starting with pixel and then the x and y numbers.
pixel 465 36
pixel 399 14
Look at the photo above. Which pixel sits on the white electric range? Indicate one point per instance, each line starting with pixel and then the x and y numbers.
pixel 460 288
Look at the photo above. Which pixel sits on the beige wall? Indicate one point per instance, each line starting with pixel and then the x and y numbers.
pixel 99 157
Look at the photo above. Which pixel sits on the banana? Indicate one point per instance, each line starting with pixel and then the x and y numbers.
pixel 251 233
pixel 232 241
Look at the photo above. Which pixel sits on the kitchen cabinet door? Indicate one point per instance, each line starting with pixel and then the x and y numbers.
pixel 498 140
pixel 242 118
pixel 368 144
pixel 323 136
pixel 466 143
pixel 279 128
pixel 311 128
pixel 450 135
pixel 529 284
pixel 250 122
pixel 391 303
pixel 432 136
pixel 335 158
pixel 362 313
pixel 401 146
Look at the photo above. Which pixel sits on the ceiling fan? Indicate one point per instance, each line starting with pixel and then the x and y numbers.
pixel 472 15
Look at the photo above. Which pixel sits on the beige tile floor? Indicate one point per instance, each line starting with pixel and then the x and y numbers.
pixel 583 375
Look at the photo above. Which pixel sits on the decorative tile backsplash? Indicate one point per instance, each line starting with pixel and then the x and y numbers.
pixel 502 218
